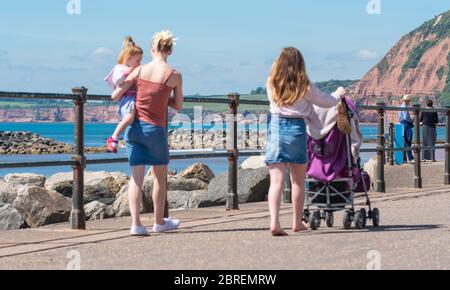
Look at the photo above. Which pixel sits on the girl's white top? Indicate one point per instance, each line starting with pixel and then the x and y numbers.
pixel 117 75
pixel 303 108
pixel 318 109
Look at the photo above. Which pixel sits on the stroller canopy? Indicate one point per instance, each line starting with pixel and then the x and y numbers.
pixel 327 146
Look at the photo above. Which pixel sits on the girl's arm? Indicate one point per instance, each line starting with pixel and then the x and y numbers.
pixel 125 86
pixel 176 102
pixel 323 100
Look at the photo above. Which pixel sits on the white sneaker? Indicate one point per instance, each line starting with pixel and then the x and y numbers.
pixel 169 225
pixel 138 231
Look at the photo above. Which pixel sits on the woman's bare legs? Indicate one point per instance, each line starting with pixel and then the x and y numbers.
pixel 298 175
pixel 159 192
pixel 275 192
pixel 135 194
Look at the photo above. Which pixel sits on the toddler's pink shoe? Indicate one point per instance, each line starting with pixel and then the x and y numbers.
pixel 112 145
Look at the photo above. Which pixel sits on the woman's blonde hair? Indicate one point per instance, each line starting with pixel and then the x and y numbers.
pixel 164 41
pixel 129 49
pixel 288 79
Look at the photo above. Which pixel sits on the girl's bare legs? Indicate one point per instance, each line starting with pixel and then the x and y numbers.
pixel 298 175
pixel 127 120
pixel 159 192
pixel 135 194
pixel 275 192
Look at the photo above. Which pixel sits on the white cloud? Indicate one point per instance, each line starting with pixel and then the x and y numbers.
pixel 366 54
pixel 101 54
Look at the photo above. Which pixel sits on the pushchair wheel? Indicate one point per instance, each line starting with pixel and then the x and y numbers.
pixel 314 220
pixel 364 216
pixel 347 220
pixel 359 220
pixel 376 217
pixel 329 218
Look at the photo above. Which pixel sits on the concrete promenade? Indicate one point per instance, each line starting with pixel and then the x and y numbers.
pixel 414 234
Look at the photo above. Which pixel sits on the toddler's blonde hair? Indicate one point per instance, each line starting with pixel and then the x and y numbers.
pixel 129 49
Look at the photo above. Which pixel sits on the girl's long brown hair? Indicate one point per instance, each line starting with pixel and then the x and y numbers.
pixel 288 77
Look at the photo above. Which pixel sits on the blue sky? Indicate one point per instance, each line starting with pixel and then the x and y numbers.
pixel 223 46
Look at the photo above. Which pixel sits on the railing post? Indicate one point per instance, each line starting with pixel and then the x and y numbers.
pixel 381 184
pixel 391 144
pixel 416 148
pixel 77 215
pixel 232 197
pixel 447 147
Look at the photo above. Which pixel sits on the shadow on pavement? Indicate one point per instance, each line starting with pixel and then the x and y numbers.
pixel 387 228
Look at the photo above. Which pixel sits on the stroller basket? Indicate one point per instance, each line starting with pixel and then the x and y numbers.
pixel 333 195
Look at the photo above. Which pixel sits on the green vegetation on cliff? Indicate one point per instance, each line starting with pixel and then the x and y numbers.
pixel 331 85
pixel 437 29
pixel 444 96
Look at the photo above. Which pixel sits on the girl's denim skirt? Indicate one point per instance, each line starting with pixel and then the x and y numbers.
pixel 286 142
pixel 146 144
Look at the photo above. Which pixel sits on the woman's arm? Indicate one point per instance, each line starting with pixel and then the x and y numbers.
pixel 125 86
pixel 323 100
pixel 176 102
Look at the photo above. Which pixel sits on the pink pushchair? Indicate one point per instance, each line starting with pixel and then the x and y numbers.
pixel 334 176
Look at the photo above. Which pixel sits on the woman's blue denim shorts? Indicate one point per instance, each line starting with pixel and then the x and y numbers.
pixel 286 142
pixel 146 144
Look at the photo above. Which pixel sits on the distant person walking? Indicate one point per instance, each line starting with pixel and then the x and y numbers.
pixel 429 135
pixel 405 119
pixel 146 138
pixel 292 96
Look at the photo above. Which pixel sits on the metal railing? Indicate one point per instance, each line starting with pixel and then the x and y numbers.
pixel 416 147
pixel 78 161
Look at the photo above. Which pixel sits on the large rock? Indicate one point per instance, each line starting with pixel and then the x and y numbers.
pixel 120 207
pixel 25 179
pixel 170 173
pixel 254 162
pixel 8 193
pixel 253 186
pixel 97 185
pixel 181 194
pixel 198 171
pixel 10 218
pixel 96 210
pixel 175 184
pixel 41 207
pixel 61 182
pixel 184 199
pixel 371 168
pixel 121 178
